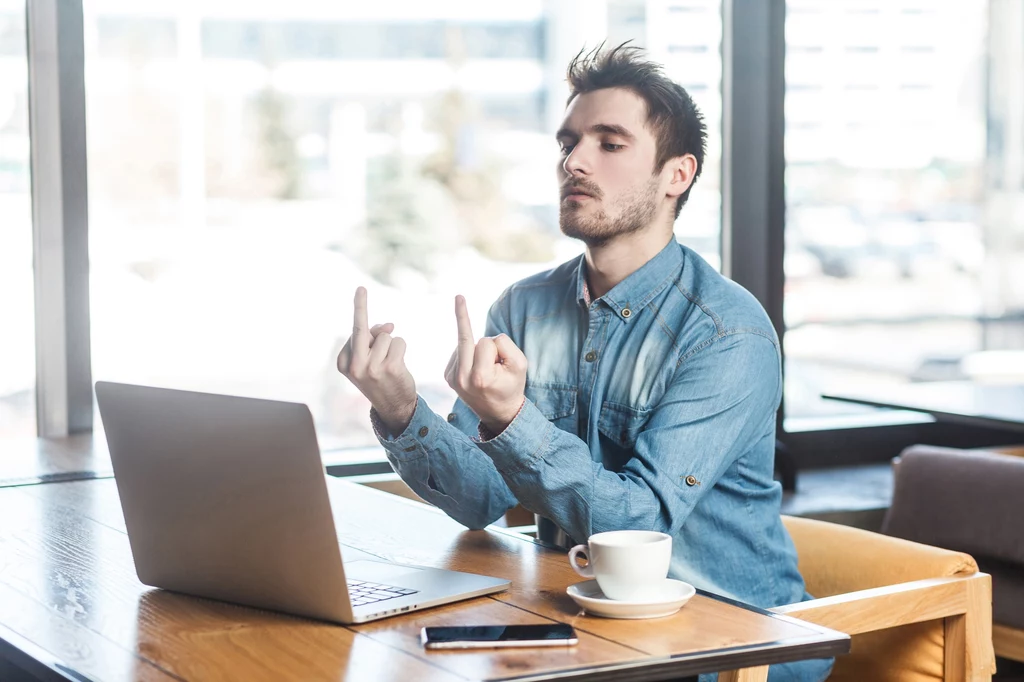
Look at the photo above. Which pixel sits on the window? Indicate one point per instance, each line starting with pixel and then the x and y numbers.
pixel 251 166
pixel 17 315
pixel 903 252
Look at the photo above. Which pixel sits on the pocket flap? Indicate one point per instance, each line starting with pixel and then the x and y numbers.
pixel 621 424
pixel 554 402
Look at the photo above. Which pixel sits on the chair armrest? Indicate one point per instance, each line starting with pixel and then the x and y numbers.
pixel 892 605
pixel 962 603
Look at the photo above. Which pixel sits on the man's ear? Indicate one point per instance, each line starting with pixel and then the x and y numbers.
pixel 683 168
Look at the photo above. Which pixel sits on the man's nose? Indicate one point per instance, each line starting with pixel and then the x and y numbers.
pixel 577 162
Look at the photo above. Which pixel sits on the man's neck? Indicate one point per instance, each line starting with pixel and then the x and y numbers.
pixel 614 261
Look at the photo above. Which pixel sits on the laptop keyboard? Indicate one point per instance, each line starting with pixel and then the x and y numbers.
pixel 361 592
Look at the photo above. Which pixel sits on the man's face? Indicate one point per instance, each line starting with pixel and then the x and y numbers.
pixel 607 181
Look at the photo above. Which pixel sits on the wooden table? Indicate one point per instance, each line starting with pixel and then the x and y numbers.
pixel 71 607
pixel 999 406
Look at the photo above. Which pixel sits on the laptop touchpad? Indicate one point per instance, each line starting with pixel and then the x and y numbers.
pixel 377 571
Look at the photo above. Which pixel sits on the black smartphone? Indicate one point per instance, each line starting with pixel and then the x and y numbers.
pixel 492 636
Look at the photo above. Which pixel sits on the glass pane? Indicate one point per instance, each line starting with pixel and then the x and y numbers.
pixel 252 164
pixel 17 314
pixel 904 189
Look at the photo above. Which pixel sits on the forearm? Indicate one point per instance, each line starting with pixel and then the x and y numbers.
pixel 446 468
pixel 553 473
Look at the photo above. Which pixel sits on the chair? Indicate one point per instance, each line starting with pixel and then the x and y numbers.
pixel 970 501
pixel 914 612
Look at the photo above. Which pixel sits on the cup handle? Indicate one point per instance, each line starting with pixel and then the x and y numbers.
pixel 585 571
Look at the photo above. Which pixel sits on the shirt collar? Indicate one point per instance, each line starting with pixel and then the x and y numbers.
pixel 640 287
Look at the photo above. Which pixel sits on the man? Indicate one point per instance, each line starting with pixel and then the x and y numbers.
pixel 631 388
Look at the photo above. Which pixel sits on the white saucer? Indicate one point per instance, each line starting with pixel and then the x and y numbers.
pixel 674 594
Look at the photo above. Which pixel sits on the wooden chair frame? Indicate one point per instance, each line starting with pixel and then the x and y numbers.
pixel 963 602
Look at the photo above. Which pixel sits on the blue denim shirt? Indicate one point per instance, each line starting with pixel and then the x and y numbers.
pixel 652 407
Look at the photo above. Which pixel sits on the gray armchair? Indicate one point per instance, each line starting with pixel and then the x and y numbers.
pixel 970 501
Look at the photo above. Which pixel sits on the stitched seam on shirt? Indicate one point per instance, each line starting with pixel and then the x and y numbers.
pixel 584 504
pixel 505 309
pixel 732 332
pixel 692 298
pixel 402 459
pixel 534 456
pixel 668 330
pixel 555 385
pixel 657 289
pixel 602 345
pixel 761 545
pixel 554 313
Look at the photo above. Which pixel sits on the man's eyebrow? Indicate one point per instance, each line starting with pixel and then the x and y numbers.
pixel 601 128
pixel 612 129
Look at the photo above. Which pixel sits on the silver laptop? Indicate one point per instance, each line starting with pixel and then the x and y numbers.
pixel 225 497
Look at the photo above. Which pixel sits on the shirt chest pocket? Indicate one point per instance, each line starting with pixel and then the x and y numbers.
pixel 621 424
pixel 556 403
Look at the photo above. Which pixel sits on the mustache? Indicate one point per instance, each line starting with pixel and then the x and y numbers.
pixel 580 187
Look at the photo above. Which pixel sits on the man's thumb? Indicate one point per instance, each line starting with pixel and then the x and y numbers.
pixel 509 353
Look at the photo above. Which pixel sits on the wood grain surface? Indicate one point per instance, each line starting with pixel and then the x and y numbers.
pixel 68 586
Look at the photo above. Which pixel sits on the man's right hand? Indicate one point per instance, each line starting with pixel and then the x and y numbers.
pixel 374 362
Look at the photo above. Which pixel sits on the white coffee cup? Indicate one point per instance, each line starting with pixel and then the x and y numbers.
pixel 630 565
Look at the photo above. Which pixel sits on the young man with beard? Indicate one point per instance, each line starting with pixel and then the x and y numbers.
pixel 632 387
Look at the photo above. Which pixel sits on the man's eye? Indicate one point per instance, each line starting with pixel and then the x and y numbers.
pixel 566 149
pixel 609 147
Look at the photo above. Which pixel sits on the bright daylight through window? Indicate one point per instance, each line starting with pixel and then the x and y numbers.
pixel 252 163
pixel 17 317
pixel 905 190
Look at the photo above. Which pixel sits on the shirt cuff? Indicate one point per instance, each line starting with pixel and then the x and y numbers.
pixel 485 434
pixel 411 443
pixel 522 442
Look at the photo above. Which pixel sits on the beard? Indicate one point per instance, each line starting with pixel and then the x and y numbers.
pixel 637 211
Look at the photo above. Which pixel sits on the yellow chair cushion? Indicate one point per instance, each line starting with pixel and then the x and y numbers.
pixel 836 559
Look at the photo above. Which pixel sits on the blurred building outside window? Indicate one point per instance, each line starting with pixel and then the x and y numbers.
pixel 905 201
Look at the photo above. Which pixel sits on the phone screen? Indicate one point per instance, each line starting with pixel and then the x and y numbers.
pixel 480 636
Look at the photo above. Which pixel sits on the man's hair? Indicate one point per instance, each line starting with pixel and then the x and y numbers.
pixel 677 124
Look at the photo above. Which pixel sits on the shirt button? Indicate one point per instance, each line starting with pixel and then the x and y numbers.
pixel 626 312
pixel 590 356
pixel 424 431
pixel 451 417
pixel 691 480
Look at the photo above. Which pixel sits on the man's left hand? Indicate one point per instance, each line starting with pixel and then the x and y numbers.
pixel 489 375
